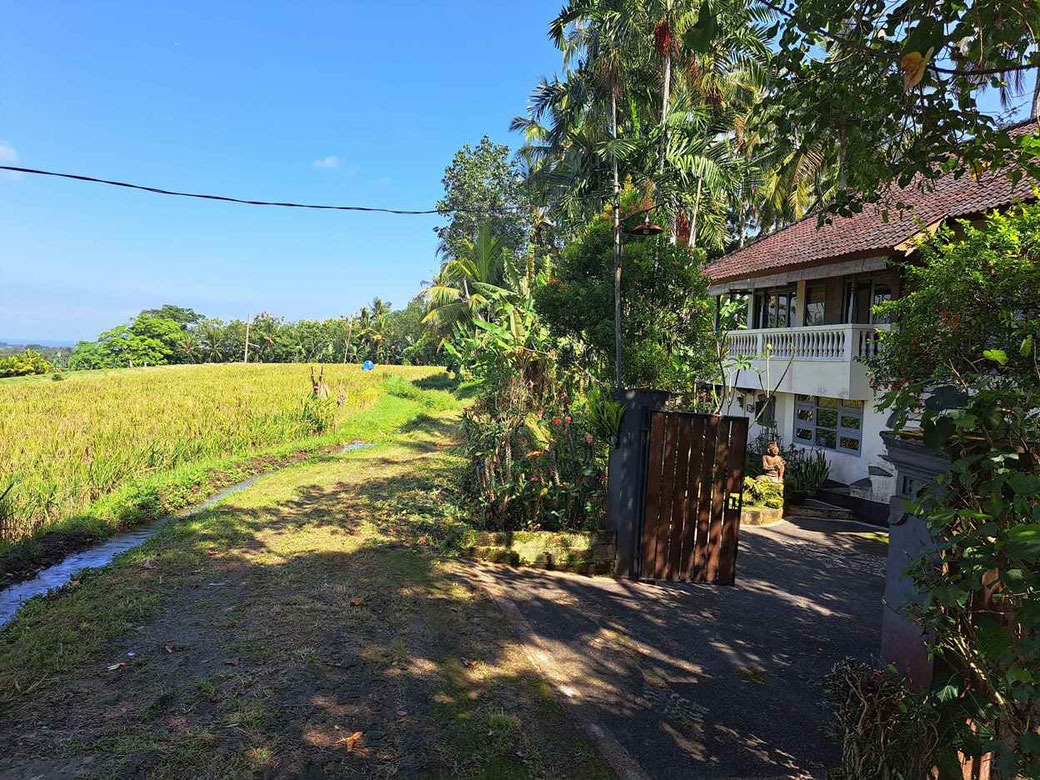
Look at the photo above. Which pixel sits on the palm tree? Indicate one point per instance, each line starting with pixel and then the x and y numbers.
pixel 460 291
pixel 580 109
pixel 211 337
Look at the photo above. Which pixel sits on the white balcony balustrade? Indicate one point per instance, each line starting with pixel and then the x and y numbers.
pixel 819 342
pixel 818 359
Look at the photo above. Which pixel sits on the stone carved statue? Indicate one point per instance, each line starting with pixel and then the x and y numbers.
pixel 772 464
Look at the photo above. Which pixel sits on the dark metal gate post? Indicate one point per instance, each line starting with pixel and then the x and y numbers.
pixel 625 470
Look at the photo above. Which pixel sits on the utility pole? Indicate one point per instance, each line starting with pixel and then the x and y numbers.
pixel 245 357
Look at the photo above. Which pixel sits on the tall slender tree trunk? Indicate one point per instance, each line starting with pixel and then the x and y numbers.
pixel 666 90
pixel 696 213
pixel 842 179
pixel 1035 110
pixel 617 248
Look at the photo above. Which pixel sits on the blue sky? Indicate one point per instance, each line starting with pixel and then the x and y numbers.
pixel 339 102
pixel 357 103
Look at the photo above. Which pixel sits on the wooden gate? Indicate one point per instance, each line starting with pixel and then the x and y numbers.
pixel 692 497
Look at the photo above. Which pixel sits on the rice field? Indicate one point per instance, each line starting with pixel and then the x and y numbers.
pixel 65 444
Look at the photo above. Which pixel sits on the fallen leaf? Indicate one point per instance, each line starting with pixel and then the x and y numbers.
pixel 169 649
pixel 467 662
pixel 402 713
pixel 113 667
pixel 231 662
pixel 356 602
pixel 352 741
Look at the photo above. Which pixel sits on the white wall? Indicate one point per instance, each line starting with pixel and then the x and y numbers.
pixel 844 467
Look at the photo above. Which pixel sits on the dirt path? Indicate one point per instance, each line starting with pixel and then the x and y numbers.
pixel 304 628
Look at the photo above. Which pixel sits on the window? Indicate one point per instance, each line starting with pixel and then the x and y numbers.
pixel 775 308
pixel 882 293
pixel 829 423
pixel 815 304
pixel 765 410
pixel 861 295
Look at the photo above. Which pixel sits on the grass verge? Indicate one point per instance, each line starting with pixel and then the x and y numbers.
pixel 156 495
pixel 304 627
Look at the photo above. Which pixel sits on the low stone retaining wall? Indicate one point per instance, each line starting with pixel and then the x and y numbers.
pixel 587 552
pixel 760 515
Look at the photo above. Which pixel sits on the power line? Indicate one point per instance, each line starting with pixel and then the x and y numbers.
pixel 225 198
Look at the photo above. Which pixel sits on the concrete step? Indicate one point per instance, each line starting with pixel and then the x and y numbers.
pixel 814 508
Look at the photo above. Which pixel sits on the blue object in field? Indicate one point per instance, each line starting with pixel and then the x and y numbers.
pixel 368 365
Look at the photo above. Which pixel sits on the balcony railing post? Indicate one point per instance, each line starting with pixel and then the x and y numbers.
pixel 850 346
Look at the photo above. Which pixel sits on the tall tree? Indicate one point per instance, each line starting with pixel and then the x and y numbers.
pixel 483 185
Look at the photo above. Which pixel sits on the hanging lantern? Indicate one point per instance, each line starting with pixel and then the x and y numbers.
pixel 646 228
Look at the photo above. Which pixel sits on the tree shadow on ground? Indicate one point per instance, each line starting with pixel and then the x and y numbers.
pixel 703 681
pixel 320 636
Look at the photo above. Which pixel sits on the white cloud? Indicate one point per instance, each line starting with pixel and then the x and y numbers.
pixel 8 156
pixel 331 161
pixel 334 161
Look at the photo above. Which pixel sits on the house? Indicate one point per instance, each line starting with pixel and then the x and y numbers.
pixel 806 295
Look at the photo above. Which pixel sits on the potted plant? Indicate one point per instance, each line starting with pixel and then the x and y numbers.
pixel 806 472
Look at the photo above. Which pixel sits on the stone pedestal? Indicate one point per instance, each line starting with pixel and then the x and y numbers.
pixel 902 642
pixel 625 470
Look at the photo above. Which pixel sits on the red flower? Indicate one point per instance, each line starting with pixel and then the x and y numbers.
pixel 588 438
pixel 556 421
pixel 567 419
pixel 535 479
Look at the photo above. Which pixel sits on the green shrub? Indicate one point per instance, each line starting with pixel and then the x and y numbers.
pixel 605 415
pixel 964 361
pixel 806 470
pixel 545 474
pixel 24 363
pixel 762 492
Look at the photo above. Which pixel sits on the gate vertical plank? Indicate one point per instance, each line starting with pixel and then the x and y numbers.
pixel 734 485
pixel 668 504
pixel 652 494
pixel 700 556
pixel 718 501
pixel 693 481
pixel 681 503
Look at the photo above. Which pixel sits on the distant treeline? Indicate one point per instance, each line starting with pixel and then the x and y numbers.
pixel 174 334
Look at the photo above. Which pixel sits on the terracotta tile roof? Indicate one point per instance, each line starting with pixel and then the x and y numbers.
pixel 802 244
